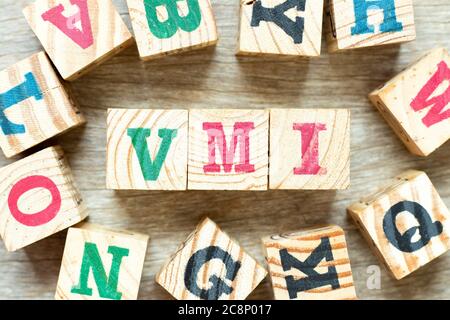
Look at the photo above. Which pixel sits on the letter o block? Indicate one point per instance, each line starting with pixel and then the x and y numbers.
pixel 209 265
pixel 39 198
pixel 406 222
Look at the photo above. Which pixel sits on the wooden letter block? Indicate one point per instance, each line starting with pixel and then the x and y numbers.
pixel 209 265
pixel 415 103
pixel 365 23
pixel 228 149
pixel 99 263
pixel 312 264
pixel 406 222
pixel 147 149
pixel 38 198
pixel 283 27
pixel 34 105
pixel 309 148
pixel 78 34
pixel 165 27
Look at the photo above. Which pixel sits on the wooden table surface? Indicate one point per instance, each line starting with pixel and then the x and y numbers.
pixel 217 78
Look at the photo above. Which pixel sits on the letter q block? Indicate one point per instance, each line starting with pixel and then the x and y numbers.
pixel 38 198
pixel 406 222
pixel 209 265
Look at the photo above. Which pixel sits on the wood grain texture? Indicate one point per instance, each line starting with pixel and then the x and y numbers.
pixel 109 35
pixel 53 111
pixel 216 78
pixel 305 244
pixel 130 268
pixel 369 214
pixel 242 282
pixel 51 164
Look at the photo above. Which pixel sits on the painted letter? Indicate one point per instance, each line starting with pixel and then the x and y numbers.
pixel 390 23
pixel 310 148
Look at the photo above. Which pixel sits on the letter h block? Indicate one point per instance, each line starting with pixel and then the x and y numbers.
pixel 78 34
pixel 312 264
pixel 101 264
pixel 163 27
pixel 406 222
pixel 209 265
pixel 38 198
pixel 281 27
pixel 416 103
pixel 364 23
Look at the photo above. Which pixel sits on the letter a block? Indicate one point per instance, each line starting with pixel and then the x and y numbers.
pixel 228 149
pixel 78 34
pixel 365 23
pixel 209 265
pixel 312 264
pixel 165 27
pixel 309 148
pixel 147 149
pixel 34 105
pixel 284 27
pixel 38 198
pixel 406 223
pixel 415 103
pixel 100 263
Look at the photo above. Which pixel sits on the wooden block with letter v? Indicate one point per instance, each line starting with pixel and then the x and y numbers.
pixel 147 149
pixel 34 105
pixel 415 103
pixel 312 264
pixel 101 264
pixel 309 149
pixel 364 23
pixel 406 222
pixel 228 149
pixel 38 198
pixel 209 265
pixel 78 34
pixel 281 27
pixel 165 27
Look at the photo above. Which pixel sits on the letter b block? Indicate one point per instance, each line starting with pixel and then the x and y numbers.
pixel 210 266
pixel 406 222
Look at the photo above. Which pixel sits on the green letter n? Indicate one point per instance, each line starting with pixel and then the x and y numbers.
pixel 107 286
pixel 151 169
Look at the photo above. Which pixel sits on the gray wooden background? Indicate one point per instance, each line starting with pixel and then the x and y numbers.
pixel 216 78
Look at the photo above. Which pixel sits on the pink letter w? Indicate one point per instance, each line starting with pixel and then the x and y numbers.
pixel 310 148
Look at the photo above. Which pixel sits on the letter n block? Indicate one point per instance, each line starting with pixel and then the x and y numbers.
pixel 165 27
pixel 416 103
pixel 38 198
pixel 147 149
pixel 364 23
pixel 228 149
pixel 406 222
pixel 284 27
pixel 34 105
pixel 312 264
pixel 309 148
pixel 78 34
pixel 209 265
pixel 101 264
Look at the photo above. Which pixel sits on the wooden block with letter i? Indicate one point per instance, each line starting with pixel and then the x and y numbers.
pixel 228 149
pixel 78 34
pixel 209 265
pixel 281 27
pixel 415 103
pixel 309 149
pixel 38 198
pixel 406 222
pixel 101 264
pixel 147 149
pixel 34 105
pixel 364 23
pixel 312 264
pixel 165 27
